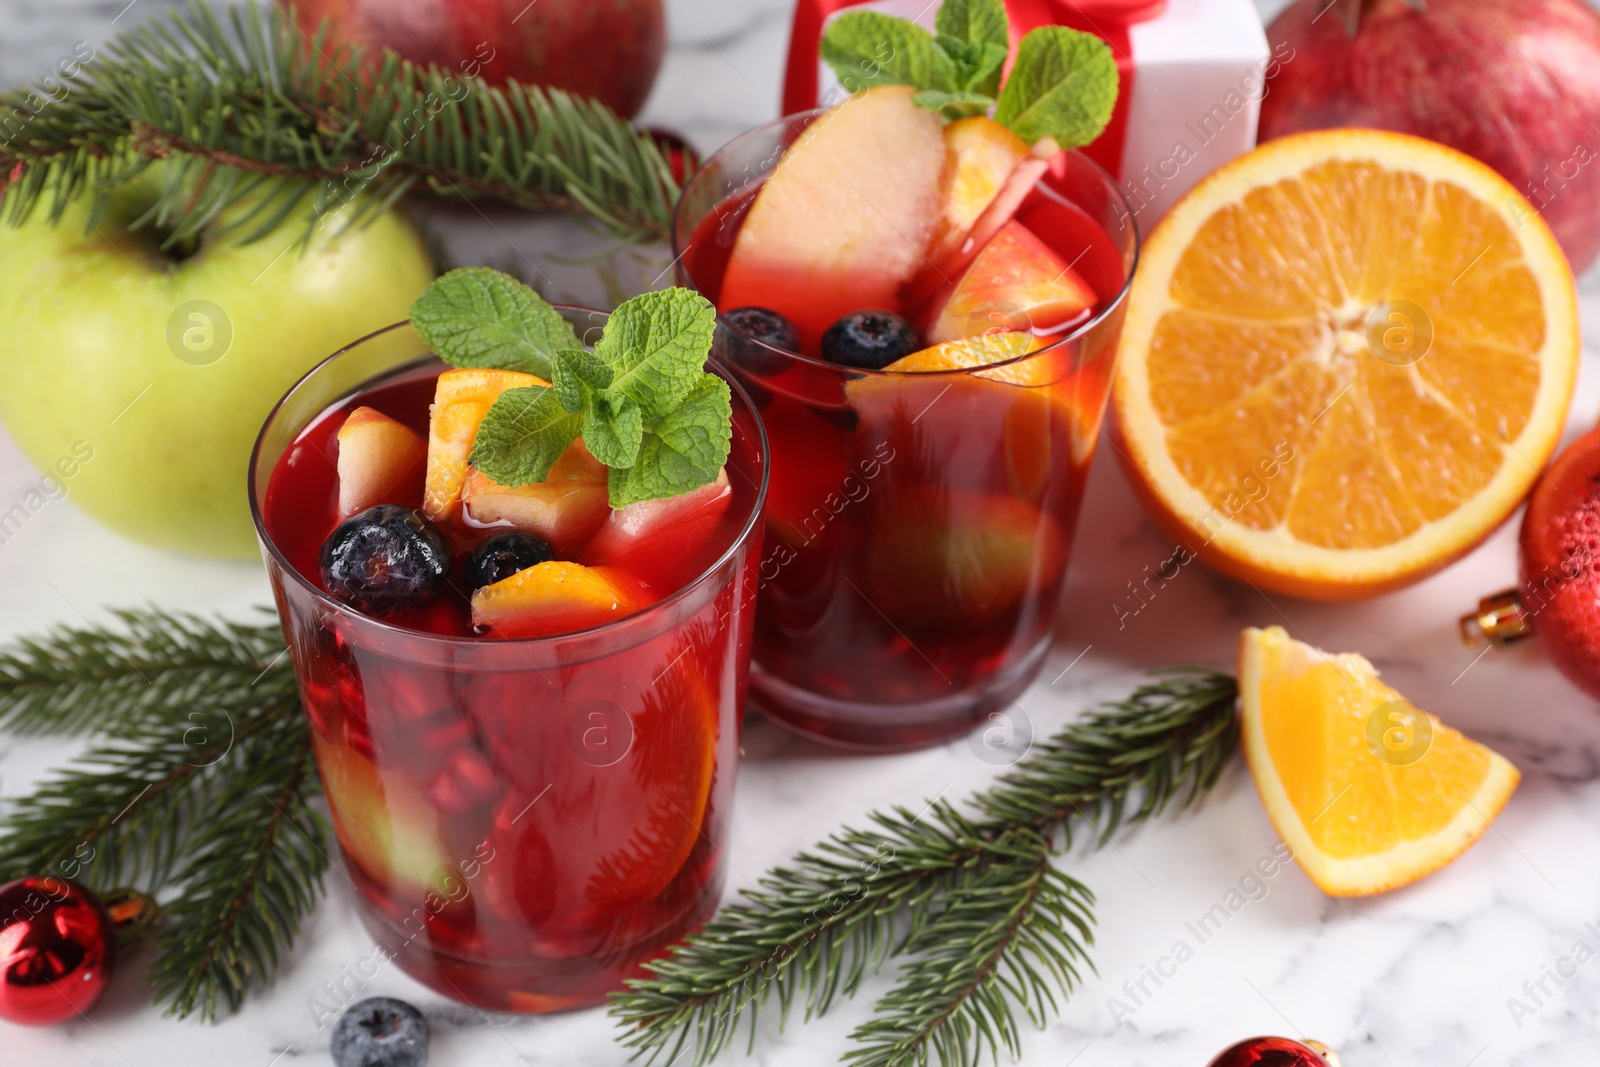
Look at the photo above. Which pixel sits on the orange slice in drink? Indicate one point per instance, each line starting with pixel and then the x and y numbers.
pixel 1370 792
pixel 673 761
pixel 1347 356
pixel 461 399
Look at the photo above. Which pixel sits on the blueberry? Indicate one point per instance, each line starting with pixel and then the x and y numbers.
pixel 503 554
pixel 869 339
pixel 385 561
pixel 747 338
pixel 380 1032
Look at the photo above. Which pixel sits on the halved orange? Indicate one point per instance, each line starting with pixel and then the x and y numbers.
pixel 1347 356
pixel 1370 792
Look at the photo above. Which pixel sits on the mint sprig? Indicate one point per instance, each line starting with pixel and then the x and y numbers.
pixel 477 317
pixel 642 400
pixel 1062 85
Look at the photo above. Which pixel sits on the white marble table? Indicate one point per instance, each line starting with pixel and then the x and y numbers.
pixel 1419 976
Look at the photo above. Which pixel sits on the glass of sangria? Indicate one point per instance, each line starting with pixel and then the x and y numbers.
pixel 528 807
pixel 932 385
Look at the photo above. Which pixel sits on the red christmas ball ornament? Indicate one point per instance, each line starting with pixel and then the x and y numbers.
pixel 57 947
pixel 1277 1052
pixel 1557 597
pixel 58 944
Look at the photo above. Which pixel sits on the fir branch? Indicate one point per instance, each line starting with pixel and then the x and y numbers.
pixel 202 780
pixel 1013 927
pixel 253 872
pixel 257 123
pixel 91 679
pixel 124 812
pixel 816 927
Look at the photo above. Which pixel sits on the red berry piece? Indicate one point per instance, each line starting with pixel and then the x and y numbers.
pixel 57 948
pixel 467 781
pixel 1270 1052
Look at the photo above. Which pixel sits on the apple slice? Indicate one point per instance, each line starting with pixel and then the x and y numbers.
pixel 958 559
pixel 662 542
pixel 556 598
pixel 845 218
pixel 381 461
pixel 981 156
pixel 1017 283
pixel 564 510
pixel 460 401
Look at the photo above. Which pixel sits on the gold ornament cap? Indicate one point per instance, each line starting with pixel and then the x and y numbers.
pixel 1324 1051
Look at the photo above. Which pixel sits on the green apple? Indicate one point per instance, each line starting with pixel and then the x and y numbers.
pixel 139 377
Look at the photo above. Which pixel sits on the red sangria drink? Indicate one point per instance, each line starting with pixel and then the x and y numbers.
pixel 926 313
pixel 524 664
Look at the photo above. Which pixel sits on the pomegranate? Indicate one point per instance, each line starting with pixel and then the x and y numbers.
pixel 606 49
pixel 1515 83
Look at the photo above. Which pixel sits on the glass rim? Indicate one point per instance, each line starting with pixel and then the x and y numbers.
pixel 1074 334
pixel 753 522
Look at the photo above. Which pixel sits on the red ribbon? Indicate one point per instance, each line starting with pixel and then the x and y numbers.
pixel 1107 19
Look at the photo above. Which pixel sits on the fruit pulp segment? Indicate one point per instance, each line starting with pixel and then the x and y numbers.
pixel 524 837
pixel 1316 720
pixel 1248 357
pixel 918 526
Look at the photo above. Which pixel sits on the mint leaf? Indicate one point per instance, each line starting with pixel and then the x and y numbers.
pixel 954 105
pixel 656 345
pixel 576 375
pixel 867 48
pixel 683 452
pixel 477 317
pixel 523 435
pixel 613 428
pixel 978 64
pixel 979 21
pixel 701 429
pixel 981 72
pixel 1063 85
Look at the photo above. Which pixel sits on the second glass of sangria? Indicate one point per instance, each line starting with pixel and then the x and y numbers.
pixel 926 315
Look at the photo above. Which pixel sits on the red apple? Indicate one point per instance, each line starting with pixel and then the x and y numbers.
pixel 1017 282
pixel 380 462
pixel 1515 83
pixel 606 49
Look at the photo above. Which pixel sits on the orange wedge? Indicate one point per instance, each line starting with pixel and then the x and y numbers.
pixel 674 762
pixel 1347 356
pixel 980 351
pixel 555 597
pixel 1369 791
pixel 461 399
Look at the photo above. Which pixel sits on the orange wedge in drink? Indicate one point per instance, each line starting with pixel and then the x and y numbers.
pixel 1347 356
pixel 1370 792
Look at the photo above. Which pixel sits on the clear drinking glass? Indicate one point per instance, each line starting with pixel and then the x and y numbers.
pixel 918 524
pixel 525 820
